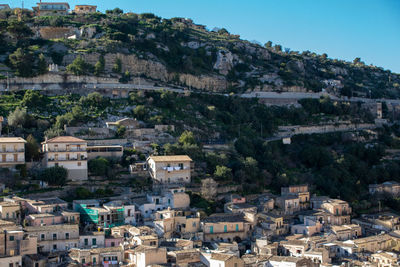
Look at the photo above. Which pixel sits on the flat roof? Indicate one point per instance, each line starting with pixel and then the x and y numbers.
pixel 12 140
pixel 170 158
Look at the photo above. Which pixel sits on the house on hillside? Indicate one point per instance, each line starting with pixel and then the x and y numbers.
pixel 68 152
pixel 85 9
pixel 12 150
pixel 51 8
pixel 170 169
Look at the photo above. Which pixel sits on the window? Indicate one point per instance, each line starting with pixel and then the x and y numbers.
pixel 15 157
pixel 94 260
pixel 56 164
pixel 86 241
pixel 54 236
pixel 79 163
pixel 181 166
pixel 237 227
pixel 4 148
pixel 7 215
pixel 211 229
pixel 194 224
pixel 11 238
pixel 94 241
pixel 225 228
pixel 114 258
pixel 54 247
pixel 3 158
pixel 83 261
pixel 113 244
pixel 55 156
pixel 42 237
pixel 66 235
pixel 67 156
pixel 11 265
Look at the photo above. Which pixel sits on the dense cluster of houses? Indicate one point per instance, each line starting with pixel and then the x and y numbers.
pixel 161 229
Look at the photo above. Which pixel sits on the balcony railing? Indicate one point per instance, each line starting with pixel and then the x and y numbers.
pixel 66 150
pixel 177 168
pixel 12 161
pixel 65 159
pixel 13 151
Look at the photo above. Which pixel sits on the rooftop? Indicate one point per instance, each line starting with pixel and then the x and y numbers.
pixel 224 217
pixel 170 158
pixel 64 139
pixel 12 140
pixel 221 257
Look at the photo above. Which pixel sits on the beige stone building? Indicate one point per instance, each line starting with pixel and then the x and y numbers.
pixel 225 227
pixel 372 243
pixel 85 9
pixel 221 260
pixel 346 232
pixel 300 191
pixel 391 188
pixel 170 169
pixel 385 259
pixel 53 238
pixel 12 150
pixel 169 222
pixel 145 256
pixel 110 256
pixel 68 152
pixel 288 204
pixel 10 211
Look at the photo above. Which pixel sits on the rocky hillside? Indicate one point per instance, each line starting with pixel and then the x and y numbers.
pixel 175 52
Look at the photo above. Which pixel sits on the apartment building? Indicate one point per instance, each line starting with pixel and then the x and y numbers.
pixel 300 191
pixel 53 238
pixel 111 256
pixel 51 8
pixel 170 169
pixel 12 151
pixel 10 211
pixel 68 152
pixel 225 227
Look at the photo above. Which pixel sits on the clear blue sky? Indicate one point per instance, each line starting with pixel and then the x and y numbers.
pixel 343 29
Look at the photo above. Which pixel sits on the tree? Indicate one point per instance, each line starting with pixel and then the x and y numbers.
pixel 140 111
pixel 268 44
pixel 115 11
pixel 99 66
pixel 357 60
pixel 17 118
pixel 34 100
pixel 79 67
pixel 187 138
pixel 21 60
pixel 32 149
pixel 19 29
pixel 42 65
pixel 223 173
pixel 54 175
pixel 278 48
pixel 117 66
pixel 324 56
pixel 99 166
pixel 120 131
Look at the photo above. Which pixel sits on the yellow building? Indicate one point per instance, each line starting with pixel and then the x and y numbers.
pixel 85 9
pixel 225 227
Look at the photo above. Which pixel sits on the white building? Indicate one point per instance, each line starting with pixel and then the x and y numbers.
pixel 12 150
pixel 170 169
pixel 68 152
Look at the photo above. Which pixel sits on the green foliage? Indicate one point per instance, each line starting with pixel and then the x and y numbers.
pixel 18 118
pixel 32 149
pixel 99 166
pixel 19 29
pixel 54 175
pixel 117 67
pixel 42 65
pixel 223 173
pixel 121 130
pixel 80 67
pixel 21 61
pixel 99 66
pixel 140 112
pixel 33 100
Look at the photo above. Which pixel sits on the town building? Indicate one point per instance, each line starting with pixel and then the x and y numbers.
pixel 3 7
pixel 51 8
pixel 12 151
pixel 110 256
pixel 225 227
pixel 391 188
pixel 68 152
pixel 147 256
pixel 54 238
pixel 288 204
pixel 221 259
pixel 300 191
pixel 170 169
pixel 85 9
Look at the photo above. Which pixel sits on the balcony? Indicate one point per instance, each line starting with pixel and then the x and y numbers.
pixel 66 150
pixel 65 159
pixel 177 168
pixel 13 151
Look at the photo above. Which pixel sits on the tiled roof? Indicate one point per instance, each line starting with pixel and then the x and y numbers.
pixel 221 257
pixel 65 139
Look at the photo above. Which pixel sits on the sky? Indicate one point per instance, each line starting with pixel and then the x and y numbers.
pixel 344 29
